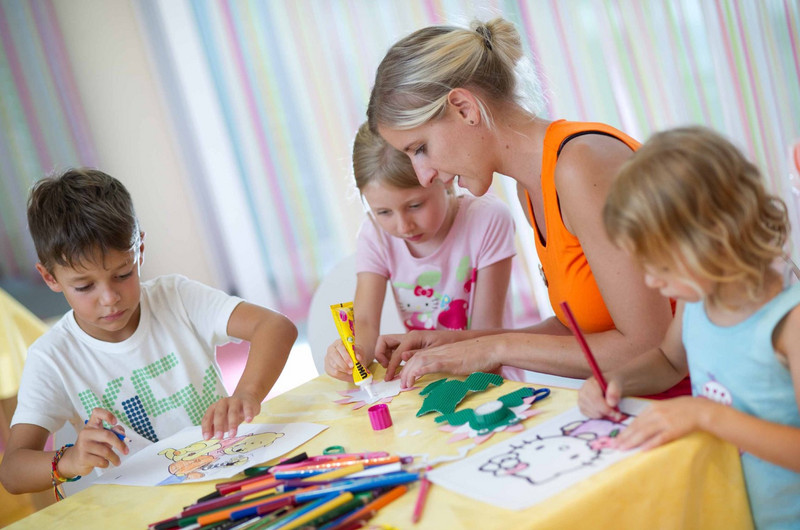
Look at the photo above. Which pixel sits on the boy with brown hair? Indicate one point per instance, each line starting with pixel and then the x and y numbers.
pixel 132 354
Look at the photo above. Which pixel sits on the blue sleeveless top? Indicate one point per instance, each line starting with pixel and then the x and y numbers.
pixel 738 366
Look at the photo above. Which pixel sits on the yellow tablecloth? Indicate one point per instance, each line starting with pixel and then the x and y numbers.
pixel 695 482
pixel 18 329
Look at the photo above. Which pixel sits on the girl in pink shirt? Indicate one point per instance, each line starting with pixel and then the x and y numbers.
pixel 447 258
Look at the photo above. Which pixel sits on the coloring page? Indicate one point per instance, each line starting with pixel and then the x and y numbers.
pixel 186 457
pixel 539 462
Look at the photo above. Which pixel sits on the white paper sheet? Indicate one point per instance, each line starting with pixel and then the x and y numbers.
pixel 186 457
pixel 540 462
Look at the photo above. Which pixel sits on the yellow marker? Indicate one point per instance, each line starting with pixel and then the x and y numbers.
pixel 343 316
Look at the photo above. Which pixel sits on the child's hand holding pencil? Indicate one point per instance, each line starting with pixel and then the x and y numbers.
pixel 96 446
pixel 595 404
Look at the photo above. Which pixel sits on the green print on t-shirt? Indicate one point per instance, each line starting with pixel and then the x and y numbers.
pixel 90 400
pixel 195 403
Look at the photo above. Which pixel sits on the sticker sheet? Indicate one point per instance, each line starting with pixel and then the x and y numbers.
pixel 186 457
pixel 539 462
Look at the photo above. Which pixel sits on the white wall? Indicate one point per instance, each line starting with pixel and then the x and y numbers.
pixel 131 132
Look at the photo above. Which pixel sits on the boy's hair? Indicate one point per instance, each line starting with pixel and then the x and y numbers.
pixel 375 161
pixel 73 215
pixel 417 74
pixel 689 198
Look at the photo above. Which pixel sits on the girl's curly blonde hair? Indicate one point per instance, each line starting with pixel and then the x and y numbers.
pixel 688 197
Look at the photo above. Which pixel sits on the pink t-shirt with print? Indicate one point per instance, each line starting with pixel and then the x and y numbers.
pixel 435 291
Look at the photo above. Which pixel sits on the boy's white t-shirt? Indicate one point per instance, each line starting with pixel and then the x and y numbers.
pixel 436 291
pixel 157 382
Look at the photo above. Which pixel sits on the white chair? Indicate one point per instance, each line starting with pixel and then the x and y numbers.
pixel 339 285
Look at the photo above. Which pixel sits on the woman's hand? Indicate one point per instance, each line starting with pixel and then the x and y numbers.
pixel 391 350
pixel 457 358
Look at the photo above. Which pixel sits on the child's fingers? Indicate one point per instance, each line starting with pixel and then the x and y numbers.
pixel 207 423
pixel 233 420
pixel 640 432
pixel 613 394
pixel 99 416
pixel 359 353
pixel 97 432
pixel 220 419
pixel 95 448
pixel 251 410
pixel 344 355
pixel 336 365
pixel 590 399
pixel 99 456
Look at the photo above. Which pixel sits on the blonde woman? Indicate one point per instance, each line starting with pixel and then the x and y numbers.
pixel 464 104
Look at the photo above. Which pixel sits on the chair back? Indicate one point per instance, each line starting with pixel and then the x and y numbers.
pixel 338 286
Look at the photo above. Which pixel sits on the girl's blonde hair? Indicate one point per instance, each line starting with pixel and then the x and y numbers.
pixel 375 161
pixel 689 198
pixel 419 71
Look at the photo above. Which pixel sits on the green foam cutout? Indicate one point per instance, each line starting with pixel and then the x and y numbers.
pixel 444 395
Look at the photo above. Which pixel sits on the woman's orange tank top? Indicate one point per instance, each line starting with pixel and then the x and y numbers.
pixel 563 264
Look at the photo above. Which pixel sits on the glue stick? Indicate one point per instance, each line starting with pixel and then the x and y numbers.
pixel 343 317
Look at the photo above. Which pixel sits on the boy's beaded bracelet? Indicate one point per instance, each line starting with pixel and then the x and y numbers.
pixel 58 479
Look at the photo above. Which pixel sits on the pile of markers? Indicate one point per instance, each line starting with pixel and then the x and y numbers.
pixel 330 491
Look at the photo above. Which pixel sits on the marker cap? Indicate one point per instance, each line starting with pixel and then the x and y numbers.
pixel 379 417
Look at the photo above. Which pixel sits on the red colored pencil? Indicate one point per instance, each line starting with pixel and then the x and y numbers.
pixel 424 485
pixel 573 325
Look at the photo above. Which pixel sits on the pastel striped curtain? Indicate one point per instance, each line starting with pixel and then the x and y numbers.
pixel 265 97
pixel 289 81
pixel 42 124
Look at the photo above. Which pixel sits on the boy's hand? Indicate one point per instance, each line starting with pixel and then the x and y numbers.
pixel 95 446
pixel 338 363
pixel 593 404
pixel 223 417
pixel 664 421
